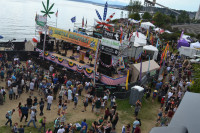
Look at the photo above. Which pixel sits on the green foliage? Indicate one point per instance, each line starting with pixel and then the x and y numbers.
pixel 159 19
pixel 135 16
pixel 147 16
pixel 173 18
pixel 198 36
pixel 196 72
pixel 184 17
pixel 170 37
pixel 134 6
pixel 47 9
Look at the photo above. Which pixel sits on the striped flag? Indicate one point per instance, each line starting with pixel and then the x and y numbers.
pixel 157 43
pixel 56 13
pixel 99 16
pixel 111 16
pixel 36 17
pixel 105 11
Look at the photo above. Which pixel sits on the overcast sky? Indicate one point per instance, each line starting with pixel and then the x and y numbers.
pixel 188 5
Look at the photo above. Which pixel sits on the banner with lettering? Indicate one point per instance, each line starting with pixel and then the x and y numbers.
pixel 75 38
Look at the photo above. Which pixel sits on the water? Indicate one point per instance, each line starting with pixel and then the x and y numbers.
pixel 17 17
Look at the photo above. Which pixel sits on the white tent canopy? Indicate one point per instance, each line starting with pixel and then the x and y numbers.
pixel 195 45
pixel 146 25
pixel 141 39
pixel 186 37
pixel 152 48
pixel 134 21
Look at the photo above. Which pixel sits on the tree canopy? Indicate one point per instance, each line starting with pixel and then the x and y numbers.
pixel 147 16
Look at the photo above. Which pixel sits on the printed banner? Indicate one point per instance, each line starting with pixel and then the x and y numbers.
pixel 74 38
pixel 41 20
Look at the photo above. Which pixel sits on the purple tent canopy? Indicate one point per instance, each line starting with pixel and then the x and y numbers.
pixel 183 42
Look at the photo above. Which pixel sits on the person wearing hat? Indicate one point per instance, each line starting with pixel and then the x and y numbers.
pixel 75 100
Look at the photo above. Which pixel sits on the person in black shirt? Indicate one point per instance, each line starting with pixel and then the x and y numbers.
pixel 41 106
pixel 55 91
pixel 29 103
pixel 24 113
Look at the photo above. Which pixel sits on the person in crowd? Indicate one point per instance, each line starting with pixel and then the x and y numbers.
pixel 49 101
pixel 32 119
pixel 43 124
pixel 41 103
pixel 9 117
pixel 24 111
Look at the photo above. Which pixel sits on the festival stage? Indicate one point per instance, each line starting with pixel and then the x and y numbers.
pixel 85 68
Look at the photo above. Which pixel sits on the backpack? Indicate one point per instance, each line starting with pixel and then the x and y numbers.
pixel 40 121
pixel 7 116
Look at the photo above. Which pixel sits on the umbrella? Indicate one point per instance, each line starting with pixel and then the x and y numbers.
pixel 35 39
pixel 1 37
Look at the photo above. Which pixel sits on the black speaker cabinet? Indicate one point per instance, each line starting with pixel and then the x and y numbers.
pixel 72 57
pixel 82 62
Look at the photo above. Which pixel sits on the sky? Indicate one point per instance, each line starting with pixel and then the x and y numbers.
pixel 188 5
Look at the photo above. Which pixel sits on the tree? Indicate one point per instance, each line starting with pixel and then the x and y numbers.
pixel 134 6
pixel 147 16
pixel 173 18
pixel 184 17
pixel 135 16
pixel 158 18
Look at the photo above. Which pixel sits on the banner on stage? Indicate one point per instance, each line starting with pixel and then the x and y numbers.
pixel 78 39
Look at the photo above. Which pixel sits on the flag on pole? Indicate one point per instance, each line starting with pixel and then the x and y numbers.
pixel 137 34
pixel 83 22
pixel 130 36
pixel 73 19
pixel 86 23
pixel 36 17
pixel 127 80
pixel 121 34
pixel 147 33
pixel 181 35
pixel 105 11
pixel 56 13
pixel 157 44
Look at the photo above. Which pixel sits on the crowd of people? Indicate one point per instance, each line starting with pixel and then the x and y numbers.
pixel 50 85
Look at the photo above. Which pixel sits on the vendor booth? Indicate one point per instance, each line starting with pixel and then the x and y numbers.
pixel 195 45
pixel 153 51
pixel 147 25
pixel 139 39
pixel 183 43
pixel 145 65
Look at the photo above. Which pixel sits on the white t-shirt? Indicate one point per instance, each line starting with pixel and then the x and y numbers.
pixel 50 99
pixel 9 83
pixel 62 130
pixel 87 84
pixel 51 68
pixel 169 94
pixel 69 94
pixel 22 82
pixel 31 86
pixel 78 48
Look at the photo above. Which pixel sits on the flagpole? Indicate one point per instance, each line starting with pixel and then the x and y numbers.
pixel 95 62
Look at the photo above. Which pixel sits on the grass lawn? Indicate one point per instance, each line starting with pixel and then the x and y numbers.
pixel 147 114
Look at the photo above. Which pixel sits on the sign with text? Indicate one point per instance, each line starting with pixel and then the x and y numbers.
pixel 75 38
pixel 111 35
pixel 110 43
pixel 109 50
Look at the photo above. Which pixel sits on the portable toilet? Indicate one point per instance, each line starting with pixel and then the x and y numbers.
pixel 137 93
